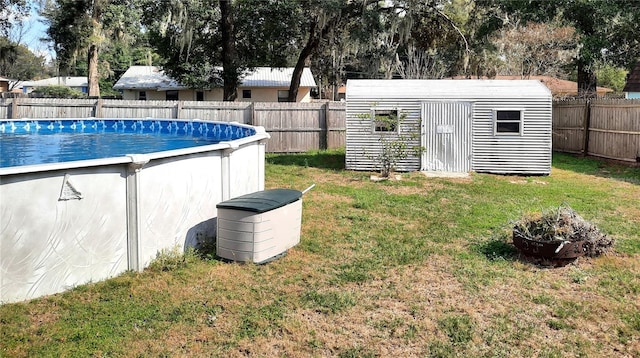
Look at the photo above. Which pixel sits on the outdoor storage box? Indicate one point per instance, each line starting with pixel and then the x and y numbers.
pixel 259 226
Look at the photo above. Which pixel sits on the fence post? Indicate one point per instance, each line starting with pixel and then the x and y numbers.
pixel 178 110
pixel 97 110
pixel 324 127
pixel 587 125
pixel 14 108
pixel 252 118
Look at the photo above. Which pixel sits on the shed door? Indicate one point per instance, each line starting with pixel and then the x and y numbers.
pixel 446 136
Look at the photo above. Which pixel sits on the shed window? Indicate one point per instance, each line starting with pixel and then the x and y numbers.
pixel 199 96
pixel 142 95
pixel 508 121
pixel 385 120
pixel 246 93
pixel 172 95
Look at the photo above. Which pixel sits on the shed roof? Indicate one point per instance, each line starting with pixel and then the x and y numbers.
pixel 445 89
pixel 633 80
pixel 153 77
pixel 558 86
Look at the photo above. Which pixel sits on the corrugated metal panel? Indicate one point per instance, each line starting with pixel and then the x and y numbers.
pixel 529 153
pixel 363 145
pixel 447 136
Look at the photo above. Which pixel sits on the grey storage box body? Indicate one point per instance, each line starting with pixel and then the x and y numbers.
pixel 260 226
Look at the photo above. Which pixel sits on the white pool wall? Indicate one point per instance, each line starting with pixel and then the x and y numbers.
pixel 67 224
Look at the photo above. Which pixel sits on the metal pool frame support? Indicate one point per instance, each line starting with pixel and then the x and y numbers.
pixel 67 224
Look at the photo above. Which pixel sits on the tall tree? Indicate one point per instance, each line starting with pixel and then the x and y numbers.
pixel 95 9
pixel 18 62
pixel 11 10
pixel 536 49
pixel 74 27
pixel 336 30
pixel 127 44
pixel 186 34
pixel 607 30
pixel 90 27
pixel 230 60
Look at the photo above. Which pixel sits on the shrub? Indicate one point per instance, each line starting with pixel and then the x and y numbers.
pixel 57 92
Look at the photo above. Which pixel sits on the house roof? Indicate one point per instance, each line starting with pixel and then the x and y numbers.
pixel 558 87
pixel 633 80
pixel 154 78
pixel 58 81
pixel 445 89
pixel 276 77
pixel 147 77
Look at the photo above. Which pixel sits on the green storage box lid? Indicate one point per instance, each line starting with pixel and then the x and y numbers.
pixel 262 201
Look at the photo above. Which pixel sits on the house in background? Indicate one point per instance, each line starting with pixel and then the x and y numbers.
pixel 263 84
pixel 78 83
pixel 4 84
pixel 632 87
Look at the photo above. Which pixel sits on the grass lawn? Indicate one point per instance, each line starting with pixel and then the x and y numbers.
pixel 418 267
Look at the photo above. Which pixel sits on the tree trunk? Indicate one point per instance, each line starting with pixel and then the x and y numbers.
pixel 587 81
pixel 92 77
pixel 230 71
pixel 305 54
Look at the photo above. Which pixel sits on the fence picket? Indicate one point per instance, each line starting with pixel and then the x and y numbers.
pixel 294 127
pixel 613 130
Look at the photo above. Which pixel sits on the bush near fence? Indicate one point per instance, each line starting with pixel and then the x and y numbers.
pixel 607 128
pixel 294 127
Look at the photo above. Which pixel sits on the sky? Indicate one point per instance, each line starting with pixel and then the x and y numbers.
pixel 30 33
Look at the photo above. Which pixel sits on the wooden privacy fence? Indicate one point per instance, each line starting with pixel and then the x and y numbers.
pixel 602 128
pixel 294 127
pixel 607 128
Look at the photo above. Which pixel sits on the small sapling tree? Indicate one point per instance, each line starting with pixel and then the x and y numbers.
pixel 398 139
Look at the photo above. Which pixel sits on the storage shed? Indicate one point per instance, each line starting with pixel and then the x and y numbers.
pixel 492 126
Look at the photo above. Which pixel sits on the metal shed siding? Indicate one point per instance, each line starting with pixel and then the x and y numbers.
pixel 447 136
pixel 529 153
pixel 526 154
pixel 363 145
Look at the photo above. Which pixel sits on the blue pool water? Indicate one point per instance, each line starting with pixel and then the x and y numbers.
pixel 31 142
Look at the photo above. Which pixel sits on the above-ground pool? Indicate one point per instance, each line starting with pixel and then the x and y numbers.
pixel 86 199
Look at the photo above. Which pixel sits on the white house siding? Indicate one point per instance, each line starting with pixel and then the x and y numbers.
pixel 257 95
pixel 271 94
pixel 529 153
pixel 183 95
pixel 264 83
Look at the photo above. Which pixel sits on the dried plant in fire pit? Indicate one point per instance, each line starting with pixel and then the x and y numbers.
pixel 559 233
